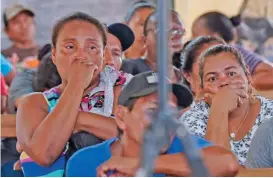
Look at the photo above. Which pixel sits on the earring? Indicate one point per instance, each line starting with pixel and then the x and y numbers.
pixel 252 95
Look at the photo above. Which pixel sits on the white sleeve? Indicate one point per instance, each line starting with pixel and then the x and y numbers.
pixel 195 119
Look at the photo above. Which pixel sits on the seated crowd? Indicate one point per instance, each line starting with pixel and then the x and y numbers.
pixel 80 105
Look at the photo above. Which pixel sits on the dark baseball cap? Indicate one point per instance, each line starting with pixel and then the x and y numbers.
pixel 147 83
pixel 123 33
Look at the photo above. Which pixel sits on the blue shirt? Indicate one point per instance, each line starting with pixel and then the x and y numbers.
pixel 6 66
pixel 85 162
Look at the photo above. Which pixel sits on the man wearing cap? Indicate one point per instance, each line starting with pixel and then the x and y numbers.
pixel 120 156
pixel 20 28
pixel 119 38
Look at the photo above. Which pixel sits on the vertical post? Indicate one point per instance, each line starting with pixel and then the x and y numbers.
pixel 162 52
pixel 155 136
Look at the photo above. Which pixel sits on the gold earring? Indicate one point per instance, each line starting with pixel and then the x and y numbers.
pixel 252 95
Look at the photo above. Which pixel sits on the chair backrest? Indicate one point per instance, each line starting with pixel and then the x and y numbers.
pixel 259 172
pixel 84 162
pixel 266 93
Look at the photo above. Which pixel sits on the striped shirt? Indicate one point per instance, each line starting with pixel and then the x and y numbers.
pixel 251 59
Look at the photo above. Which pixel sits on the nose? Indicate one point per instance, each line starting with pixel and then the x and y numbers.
pixel 81 54
pixel 223 81
pixel 23 24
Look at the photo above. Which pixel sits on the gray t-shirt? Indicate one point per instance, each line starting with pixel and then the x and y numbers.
pixel 261 150
pixel 134 66
pixel 252 59
pixel 21 85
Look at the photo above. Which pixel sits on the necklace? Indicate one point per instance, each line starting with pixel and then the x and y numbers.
pixel 233 134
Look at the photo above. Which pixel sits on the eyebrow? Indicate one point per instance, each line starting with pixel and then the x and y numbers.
pixel 92 39
pixel 213 73
pixel 154 102
pixel 69 39
pixel 74 39
pixel 210 73
pixel 231 67
pixel 116 50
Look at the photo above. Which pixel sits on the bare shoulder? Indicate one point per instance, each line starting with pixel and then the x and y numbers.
pixel 32 101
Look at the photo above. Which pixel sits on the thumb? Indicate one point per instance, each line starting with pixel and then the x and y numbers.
pixel 208 98
pixel 17 166
pixel 18 147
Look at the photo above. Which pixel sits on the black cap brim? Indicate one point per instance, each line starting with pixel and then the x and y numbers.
pixel 183 94
pixel 123 33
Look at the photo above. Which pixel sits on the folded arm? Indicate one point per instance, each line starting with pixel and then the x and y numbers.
pixel 43 135
pixel 263 76
pixel 98 125
pixel 219 161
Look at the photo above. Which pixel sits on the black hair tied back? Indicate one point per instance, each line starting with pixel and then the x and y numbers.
pixel 236 20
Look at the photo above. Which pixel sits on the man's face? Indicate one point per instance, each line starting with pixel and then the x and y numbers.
pixel 78 40
pixel 176 33
pixel 113 52
pixel 140 117
pixel 21 28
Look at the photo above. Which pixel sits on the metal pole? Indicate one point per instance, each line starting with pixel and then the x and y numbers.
pixel 162 52
pixel 151 146
pixel 157 134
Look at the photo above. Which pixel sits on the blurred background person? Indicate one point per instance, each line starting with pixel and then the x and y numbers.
pixel 26 82
pixel 7 70
pixel 260 153
pixel 175 36
pixel 4 95
pixel 20 28
pixel 31 79
pixel 217 24
pixel 135 19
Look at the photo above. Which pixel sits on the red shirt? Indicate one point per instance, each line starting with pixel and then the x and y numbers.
pixel 4 91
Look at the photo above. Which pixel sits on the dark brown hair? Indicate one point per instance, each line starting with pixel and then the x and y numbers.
pixel 80 16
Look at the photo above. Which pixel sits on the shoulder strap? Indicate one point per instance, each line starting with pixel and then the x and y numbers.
pixel 51 96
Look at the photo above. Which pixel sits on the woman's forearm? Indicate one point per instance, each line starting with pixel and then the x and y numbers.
pixel 101 126
pixel 217 127
pixel 219 162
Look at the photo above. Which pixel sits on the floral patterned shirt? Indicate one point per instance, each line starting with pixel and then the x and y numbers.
pixel 100 100
pixel 196 119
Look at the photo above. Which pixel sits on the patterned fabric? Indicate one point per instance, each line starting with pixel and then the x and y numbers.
pixel 196 120
pixel 94 102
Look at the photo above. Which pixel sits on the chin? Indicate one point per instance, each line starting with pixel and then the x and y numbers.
pixel 177 48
